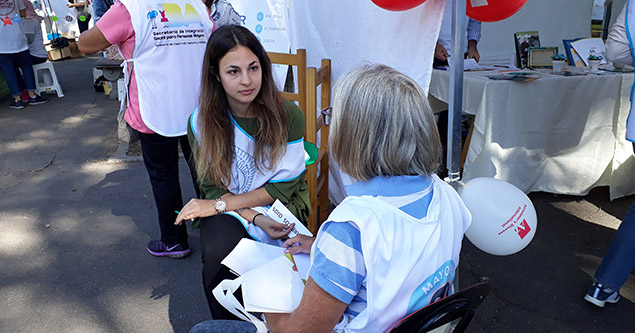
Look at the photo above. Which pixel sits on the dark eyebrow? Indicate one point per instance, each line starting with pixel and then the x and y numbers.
pixel 255 62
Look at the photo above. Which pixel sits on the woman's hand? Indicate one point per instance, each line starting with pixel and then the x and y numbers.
pixel 274 229
pixel 299 244
pixel 196 208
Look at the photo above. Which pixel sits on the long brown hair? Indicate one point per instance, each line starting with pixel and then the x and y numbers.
pixel 215 153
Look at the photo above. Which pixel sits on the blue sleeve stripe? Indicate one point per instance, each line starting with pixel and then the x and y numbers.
pixel 338 274
pixel 347 233
pixel 330 287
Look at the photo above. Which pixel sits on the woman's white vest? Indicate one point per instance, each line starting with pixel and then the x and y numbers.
pixel 170 40
pixel 630 31
pixel 245 177
pixel 409 262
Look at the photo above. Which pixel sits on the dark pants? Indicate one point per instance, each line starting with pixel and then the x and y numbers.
pixel 34 61
pixel 8 64
pixel 219 235
pixel 83 25
pixel 161 158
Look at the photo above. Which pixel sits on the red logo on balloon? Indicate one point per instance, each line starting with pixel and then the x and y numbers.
pixel 523 229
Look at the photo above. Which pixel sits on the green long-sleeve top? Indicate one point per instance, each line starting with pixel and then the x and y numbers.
pixel 293 194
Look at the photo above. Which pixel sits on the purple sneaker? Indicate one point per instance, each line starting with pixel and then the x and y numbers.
pixel 158 248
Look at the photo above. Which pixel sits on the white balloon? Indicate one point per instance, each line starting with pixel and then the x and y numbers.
pixel 503 218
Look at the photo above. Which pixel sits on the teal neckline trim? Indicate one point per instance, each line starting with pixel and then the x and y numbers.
pixel 240 128
pixel 287 180
pixel 192 117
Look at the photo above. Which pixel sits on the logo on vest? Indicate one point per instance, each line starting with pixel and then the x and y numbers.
pixel 175 26
pixel 435 287
pixel 243 170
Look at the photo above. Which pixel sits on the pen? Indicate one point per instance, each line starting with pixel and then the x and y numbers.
pixel 176 211
pixel 292 245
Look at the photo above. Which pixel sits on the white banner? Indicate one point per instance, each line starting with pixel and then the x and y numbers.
pixel 268 20
pixel 65 18
pixel 352 33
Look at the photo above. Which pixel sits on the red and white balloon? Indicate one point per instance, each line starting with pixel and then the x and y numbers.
pixel 503 218
pixel 398 5
pixel 493 10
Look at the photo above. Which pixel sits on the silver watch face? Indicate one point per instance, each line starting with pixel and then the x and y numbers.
pixel 220 205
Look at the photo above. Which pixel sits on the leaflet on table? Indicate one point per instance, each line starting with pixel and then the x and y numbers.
pixel 470 64
pixel 250 254
pixel 279 213
pixel 589 46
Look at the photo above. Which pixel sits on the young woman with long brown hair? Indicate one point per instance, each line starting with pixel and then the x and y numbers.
pixel 248 148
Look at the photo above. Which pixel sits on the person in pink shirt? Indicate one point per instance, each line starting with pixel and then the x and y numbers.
pixel 163 78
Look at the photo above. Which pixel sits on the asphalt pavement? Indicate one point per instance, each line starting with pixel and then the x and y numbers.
pixel 76 214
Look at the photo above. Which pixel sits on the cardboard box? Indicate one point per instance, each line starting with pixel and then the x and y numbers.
pixel 75 53
pixel 57 54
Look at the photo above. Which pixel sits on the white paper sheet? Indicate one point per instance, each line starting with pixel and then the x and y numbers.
pixel 274 287
pixel 249 254
pixel 279 213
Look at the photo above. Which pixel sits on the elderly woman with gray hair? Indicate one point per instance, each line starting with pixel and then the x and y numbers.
pixel 392 246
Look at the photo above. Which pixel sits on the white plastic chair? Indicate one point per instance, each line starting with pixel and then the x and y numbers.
pixel 49 80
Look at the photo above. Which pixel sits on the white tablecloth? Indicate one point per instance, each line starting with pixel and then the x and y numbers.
pixel 556 134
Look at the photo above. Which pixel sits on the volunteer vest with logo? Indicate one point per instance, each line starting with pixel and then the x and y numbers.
pixel 409 262
pixel 245 177
pixel 630 31
pixel 170 40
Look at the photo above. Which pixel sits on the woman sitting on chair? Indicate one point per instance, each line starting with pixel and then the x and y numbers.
pixel 249 151
pixel 392 246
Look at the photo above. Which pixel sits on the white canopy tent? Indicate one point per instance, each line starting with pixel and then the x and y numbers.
pixel 351 33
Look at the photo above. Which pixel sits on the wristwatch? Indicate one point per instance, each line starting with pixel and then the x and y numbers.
pixel 220 205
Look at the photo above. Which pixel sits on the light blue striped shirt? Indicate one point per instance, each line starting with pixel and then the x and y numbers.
pixel 338 262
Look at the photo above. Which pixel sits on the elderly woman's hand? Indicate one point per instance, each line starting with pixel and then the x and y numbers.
pixel 299 244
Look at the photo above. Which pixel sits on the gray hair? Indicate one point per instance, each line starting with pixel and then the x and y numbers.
pixel 383 125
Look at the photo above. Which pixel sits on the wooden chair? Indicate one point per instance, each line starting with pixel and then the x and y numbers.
pixel 308 81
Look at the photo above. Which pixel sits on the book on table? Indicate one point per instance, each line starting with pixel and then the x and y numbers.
pixel 523 41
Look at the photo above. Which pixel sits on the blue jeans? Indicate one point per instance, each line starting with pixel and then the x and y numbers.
pixel 619 260
pixel 22 60
pixel 222 326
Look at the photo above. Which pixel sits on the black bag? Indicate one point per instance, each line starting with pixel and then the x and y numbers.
pixel 59 43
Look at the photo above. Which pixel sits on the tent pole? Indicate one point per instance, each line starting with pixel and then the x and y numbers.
pixel 459 26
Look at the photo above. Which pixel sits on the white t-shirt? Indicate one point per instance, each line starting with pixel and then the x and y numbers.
pixel 13 39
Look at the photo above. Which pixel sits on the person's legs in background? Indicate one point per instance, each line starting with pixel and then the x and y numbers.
pixel 189 158
pixel 161 158
pixel 617 264
pixel 26 79
pixel 11 77
pixel 22 84
pixel 83 23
